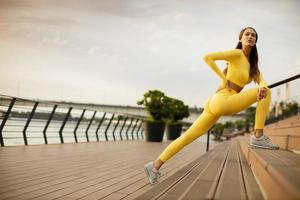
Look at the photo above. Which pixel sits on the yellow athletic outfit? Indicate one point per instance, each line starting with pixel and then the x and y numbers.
pixel 226 101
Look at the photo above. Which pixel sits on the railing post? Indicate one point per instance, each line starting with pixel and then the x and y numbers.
pixel 207 143
pixel 129 128
pixel 99 125
pixel 139 127
pixel 28 121
pixel 47 124
pixel 77 125
pixel 142 130
pixel 5 119
pixel 124 123
pixel 142 133
pixel 119 118
pixel 107 127
pixel 63 125
pixel 88 127
pixel 134 129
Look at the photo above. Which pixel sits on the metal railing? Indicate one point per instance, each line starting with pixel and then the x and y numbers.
pixel 27 122
pixel 25 119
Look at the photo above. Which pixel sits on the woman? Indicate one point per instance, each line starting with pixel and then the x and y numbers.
pixel 242 69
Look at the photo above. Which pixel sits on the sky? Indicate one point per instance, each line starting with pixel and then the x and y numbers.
pixel 112 52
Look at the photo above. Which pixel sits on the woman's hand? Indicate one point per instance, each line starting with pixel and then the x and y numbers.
pixel 262 93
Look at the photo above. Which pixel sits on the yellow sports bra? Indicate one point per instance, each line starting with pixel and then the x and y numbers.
pixel 238 67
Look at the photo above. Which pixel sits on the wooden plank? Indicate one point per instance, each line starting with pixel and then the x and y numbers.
pixel 201 182
pixel 231 185
pixel 100 168
pixel 285 167
pixel 164 186
pixel 82 170
pixel 219 175
pixel 132 190
pixel 101 190
pixel 252 188
pixel 79 168
pixel 148 187
pixel 276 169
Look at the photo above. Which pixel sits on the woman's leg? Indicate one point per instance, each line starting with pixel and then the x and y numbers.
pixel 240 101
pixel 203 123
pixel 243 100
pixel 232 104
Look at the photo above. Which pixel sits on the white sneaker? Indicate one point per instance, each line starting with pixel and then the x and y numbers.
pixel 262 142
pixel 152 175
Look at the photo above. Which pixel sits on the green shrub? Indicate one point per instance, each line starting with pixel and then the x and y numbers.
pixel 163 108
pixel 155 104
pixel 177 110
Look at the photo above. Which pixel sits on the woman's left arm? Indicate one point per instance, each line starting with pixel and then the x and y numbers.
pixel 261 81
pixel 263 87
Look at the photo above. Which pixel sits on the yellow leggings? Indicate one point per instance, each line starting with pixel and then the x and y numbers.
pixel 224 102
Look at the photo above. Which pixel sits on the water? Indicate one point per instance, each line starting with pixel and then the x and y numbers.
pixel 13 131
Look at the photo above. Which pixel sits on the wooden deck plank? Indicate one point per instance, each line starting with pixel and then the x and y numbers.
pixel 143 184
pixel 169 187
pixel 275 169
pixel 70 171
pixel 85 181
pixel 83 171
pixel 157 189
pixel 231 185
pixel 58 162
pixel 105 169
pixel 188 179
pixel 252 188
pixel 219 174
pixel 207 182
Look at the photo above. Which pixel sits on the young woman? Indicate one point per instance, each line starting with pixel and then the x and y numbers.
pixel 242 69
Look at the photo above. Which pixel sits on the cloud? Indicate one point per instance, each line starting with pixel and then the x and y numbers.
pixel 134 45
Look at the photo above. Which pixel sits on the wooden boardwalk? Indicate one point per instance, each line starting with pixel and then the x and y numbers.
pixel 222 173
pixel 103 170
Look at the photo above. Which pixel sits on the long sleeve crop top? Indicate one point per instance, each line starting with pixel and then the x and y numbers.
pixel 238 67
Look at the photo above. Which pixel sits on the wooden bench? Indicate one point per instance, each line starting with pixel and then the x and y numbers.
pixel 277 171
pixel 222 173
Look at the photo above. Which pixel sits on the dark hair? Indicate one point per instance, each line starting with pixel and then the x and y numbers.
pixel 253 58
pixel 254 71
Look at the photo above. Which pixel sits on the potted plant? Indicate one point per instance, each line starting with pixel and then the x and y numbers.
pixel 177 111
pixel 155 104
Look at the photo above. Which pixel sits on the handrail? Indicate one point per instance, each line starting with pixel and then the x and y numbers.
pixel 284 81
pixel 66 117
pixel 48 116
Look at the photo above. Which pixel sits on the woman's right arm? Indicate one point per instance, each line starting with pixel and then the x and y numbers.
pixel 223 55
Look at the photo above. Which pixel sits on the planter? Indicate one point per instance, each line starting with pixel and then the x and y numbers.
pixel 154 131
pixel 173 131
